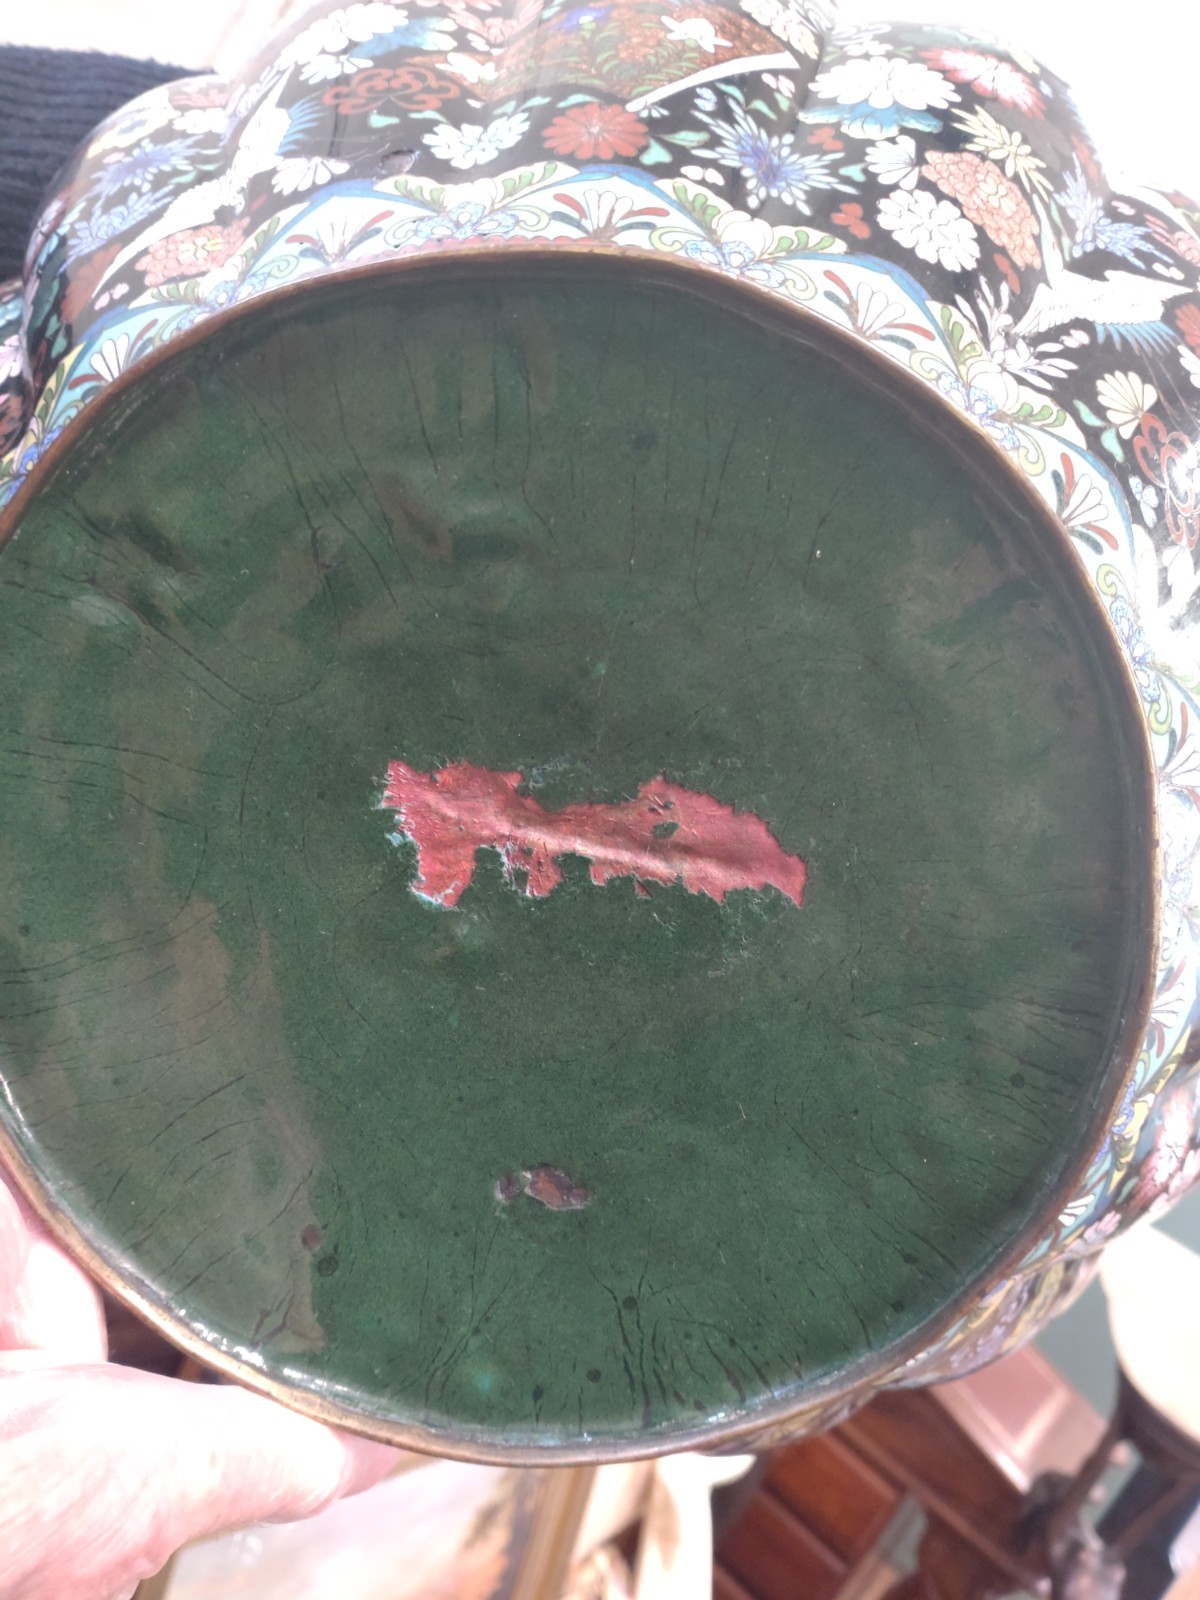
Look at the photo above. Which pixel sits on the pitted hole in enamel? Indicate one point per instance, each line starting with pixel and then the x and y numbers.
pixel 393 163
pixel 553 1189
pixel 549 1186
pixel 506 1187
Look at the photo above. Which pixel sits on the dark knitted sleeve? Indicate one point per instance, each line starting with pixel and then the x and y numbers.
pixel 49 99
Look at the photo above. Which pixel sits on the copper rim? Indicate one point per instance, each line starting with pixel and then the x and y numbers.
pixel 995 476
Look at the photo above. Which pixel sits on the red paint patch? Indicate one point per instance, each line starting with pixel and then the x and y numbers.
pixel 665 834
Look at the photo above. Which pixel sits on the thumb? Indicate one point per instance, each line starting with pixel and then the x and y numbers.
pixel 47 1303
pixel 107 1471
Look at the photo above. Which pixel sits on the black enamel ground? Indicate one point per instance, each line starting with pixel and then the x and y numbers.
pixel 594 531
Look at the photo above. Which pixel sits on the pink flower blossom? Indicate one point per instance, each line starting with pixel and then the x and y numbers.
pixel 988 198
pixel 190 253
pixel 989 76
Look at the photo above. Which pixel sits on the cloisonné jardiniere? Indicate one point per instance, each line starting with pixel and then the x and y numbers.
pixel 599 663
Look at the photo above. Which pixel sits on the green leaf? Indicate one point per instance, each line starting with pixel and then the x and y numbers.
pixel 962 340
pixel 175 292
pixel 1043 416
pixel 695 204
pixel 654 155
pixel 517 182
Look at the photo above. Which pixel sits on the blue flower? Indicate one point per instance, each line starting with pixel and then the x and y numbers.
pixel 582 16
pixel 1123 1120
pixel 137 169
pixel 35 450
pixel 1147 497
pixel 467 220
pixel 423 33
pixel 1137 648
pixel 773 168
pixel 224 292
pixel 734 255
pixel 982 407
pixel 877 96
pixel 865 121
pixel 1096 231
pixel 93 229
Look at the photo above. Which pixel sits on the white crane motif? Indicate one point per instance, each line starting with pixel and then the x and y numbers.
pixel 1125 306
pixel 256 151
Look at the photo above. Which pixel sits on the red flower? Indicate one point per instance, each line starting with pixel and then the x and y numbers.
pixel 413 87
pixel 1187 319
pixel 595 132
pixel 851 216
pixel 1087 159
pixel 1009 271
pixel 826 138
pixel 1167 460
pixel 1184 243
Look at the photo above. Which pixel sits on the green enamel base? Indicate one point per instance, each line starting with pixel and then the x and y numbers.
pixel 596 529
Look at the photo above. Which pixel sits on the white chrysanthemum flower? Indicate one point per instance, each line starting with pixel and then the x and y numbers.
pixel 329 35
pixel 873 311
pixel 473 145
pixel 299 173
pixel 894 161
pixel 109 360
pixel 785 23
pixel 1126 398
pixel 469 68
pixel 883 81
pixel 204 119
pixel 323 68
pixel 933 229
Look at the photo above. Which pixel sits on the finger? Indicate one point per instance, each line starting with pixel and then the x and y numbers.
pixel 107 1471
pixel 55 1309
pixel 14 1246
pixel 46 1301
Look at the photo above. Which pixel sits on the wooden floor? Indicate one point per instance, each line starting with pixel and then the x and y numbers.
pixel 816 1518
pixel 936 1475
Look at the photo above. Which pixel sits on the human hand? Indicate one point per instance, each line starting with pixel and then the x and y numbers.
pixel 105 1471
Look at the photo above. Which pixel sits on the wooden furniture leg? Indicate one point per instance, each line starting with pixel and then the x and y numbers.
pixel 951 1569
